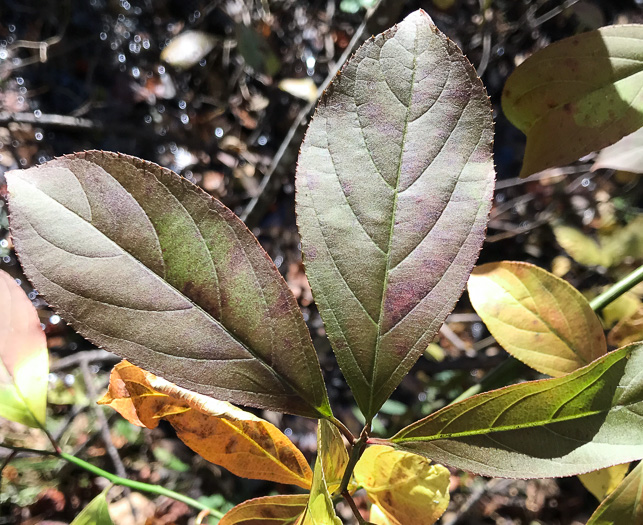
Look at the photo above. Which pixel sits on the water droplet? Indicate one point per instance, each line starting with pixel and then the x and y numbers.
pixel 37 113
pixel 38 135
pixel 3 54
pixel 134 47
pixel 218 132
pixel 310 62
pixel 160 108
pixel 161 70
pixel 69 380
pixel 288 432
pixel 279 260
pixel 197 14
pixel 185 119
pixel 121 58
pixel 148 119
pixel 54 319
pixel 12 28
pixel 182 104
pixel 585 182
pixel 103 35
pixel 136 72
pixel 6 259
pixel 4 243
pixel 146 44
pixel 203 62
pixel 20 81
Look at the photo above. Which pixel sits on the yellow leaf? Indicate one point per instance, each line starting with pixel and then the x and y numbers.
pixel 24 361
pixel 537 317
pixel 276 510
pixel 580 247
pixel 628 330
pixel 320 509
pixel 334 454
pixel 623 307
pixel 246 445
pixel 602 482
pixel 406 487
pixel 377 516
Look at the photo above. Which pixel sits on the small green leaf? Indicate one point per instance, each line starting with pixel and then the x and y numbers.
pixel 24 360
pixel 394 185
pixel 95 513
pixel 625 504
pixel 577 95
pixel 537 317
pixel 146 265
pixel 589 419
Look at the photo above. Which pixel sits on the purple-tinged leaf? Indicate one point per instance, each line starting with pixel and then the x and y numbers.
pixel 144 264
pixel 394 186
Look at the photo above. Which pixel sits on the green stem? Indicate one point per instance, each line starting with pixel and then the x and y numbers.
pixel 356 453
pixel 117 480
pixel 615 291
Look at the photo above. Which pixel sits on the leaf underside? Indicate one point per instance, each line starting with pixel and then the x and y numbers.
pixel 394 186
pixel 276 510
pixel 589 419
pixel 144 264
pixel 577 95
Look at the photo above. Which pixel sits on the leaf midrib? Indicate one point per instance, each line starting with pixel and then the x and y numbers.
pixel 164 282
pixel 391 231
pixel 504 428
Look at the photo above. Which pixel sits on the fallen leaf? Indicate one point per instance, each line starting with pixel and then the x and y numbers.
pixel 277 510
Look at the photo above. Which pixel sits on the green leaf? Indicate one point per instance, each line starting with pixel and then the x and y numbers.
pixel 95 513
pixel 625 504
pixel 394 185
pixel 144 264
pixel 577 95
pixel 24 361
pixel 537 317
pixel 589 419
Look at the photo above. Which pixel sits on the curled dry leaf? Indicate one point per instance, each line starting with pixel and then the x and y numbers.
pixel 394 187
pixel 537 317
pixel 577 95
pixel 276 510
pixel 406 487
pixel 24 361
pixel 218 431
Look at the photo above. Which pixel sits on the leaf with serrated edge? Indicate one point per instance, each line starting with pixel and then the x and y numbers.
pixel 602 482
pixel 586 420
pixel 95 513
pixel 577 95
pixel 406 487
pixel 145 264
pixel 246 445
pixel 24 360
pixel 276 510
pixel 625 504
pixel 394 187
pixel 537 317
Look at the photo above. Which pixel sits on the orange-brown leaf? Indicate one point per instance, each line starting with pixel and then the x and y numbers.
pixel 276 510
pixel 246 445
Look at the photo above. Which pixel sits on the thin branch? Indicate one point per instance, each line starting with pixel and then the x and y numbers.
pixel 102 420
pixel 351 503
pixel 618 289
pixel 117 480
